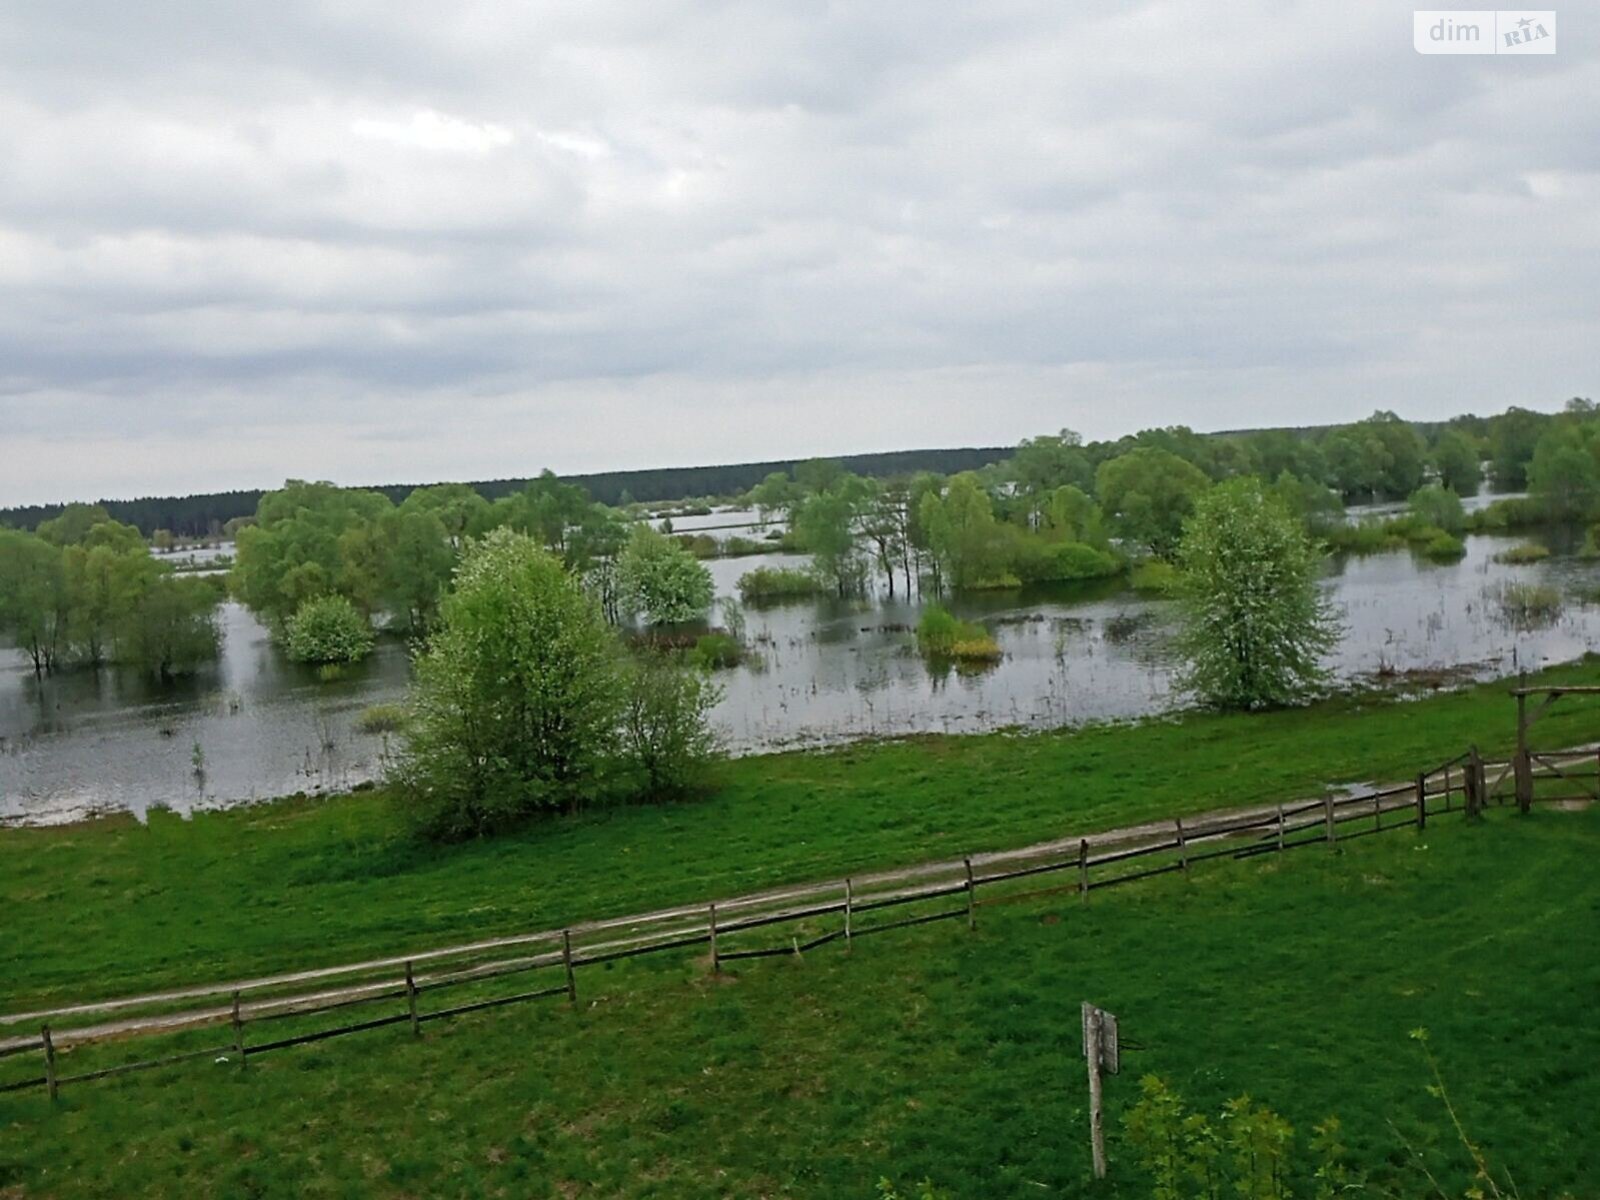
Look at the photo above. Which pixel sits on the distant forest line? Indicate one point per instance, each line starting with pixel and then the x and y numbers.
pixel 205 513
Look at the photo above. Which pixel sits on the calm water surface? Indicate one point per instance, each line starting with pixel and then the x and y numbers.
pixel 819 672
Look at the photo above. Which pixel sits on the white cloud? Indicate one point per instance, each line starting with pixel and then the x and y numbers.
pixel 418 242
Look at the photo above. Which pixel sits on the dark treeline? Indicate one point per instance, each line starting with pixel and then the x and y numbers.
pixel 206 514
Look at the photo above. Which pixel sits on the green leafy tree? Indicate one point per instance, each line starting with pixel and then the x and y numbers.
pixel 1149 493
pixel 328 629
pixel 517 696
pixel 1564 475
pixel 1439 507
pixel 776 495
pixel 172 630
pixel 964 539
pixel 33 597
pixel 661 582
pixel 1254 622
pixel 666 735
pixel 1073 516
pixel 825 526
pixel 461 510
pixel 1513 435
pixel 1456 462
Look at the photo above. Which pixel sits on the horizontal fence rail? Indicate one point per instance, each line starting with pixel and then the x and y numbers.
pixel 787 921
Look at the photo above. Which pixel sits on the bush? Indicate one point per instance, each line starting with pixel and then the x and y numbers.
pixel 1510 513
pixel 382 718
pixel 667 740
pixel 1439 507
pixel 716 649
pixel 517 696
pixel 778 583
pixel 1528 605
pixel 1371 536
pixel 1153 575
pixel 660 581
pixel 1038 561
pixel 1442 547
pixel 1526 552
pixel 1255 622
pixel 328 629
pixel 940 634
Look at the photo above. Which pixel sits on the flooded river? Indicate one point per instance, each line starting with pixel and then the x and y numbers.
pixel 255 725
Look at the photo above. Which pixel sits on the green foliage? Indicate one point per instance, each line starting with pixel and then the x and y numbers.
pixel 941 635
pixel 382 718
pixel 1502 515
pixel 1523 553
pixel 1528 605
pixel 1034 560
pixel 1248 1151
pixel 1149 493
pixel 1564 474
pixel 33 598
pixel 1380 458
pixel 964 541
pixel 778 583
pixel 667 741
pixel 717 651
pixel 516 696
pixel 171 628
pixel 1443 547
pixel 328 629
pixel 1439 507
pixel 824 524
pixel 659 581
pixel 1457 462
pixel 1512 438
pixel 1155 575
pixel 886 1190
pixel 1254 622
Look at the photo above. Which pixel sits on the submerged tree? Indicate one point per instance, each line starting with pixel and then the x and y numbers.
pixel 661 582
pixel 1255 623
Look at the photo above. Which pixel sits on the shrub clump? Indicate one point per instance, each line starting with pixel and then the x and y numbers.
pixel 1153 575
pixel 1523 553
pixel 778 583
pixel 668 744
pixel 1443 547
pixel 382 718
pixel 940 634
pixel 716 650
pixel 328 629
pixel 1036 561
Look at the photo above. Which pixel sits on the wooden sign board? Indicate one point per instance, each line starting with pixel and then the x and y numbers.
pixel 1110 1052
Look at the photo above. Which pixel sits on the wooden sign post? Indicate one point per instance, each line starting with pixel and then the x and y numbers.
pixel 1101 1051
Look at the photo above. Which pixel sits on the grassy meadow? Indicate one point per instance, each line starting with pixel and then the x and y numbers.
pixel 940 1053
pixel 113 906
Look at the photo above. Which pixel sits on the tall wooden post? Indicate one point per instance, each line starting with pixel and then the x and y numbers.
pixel 1477 784
pixel 1093 1031
pixel 238 1030
pixel 1183 847
pixel 566 962
pixel 1523 767
pixel 1083 869
pixel 1327 817
pixel 1422 800
pixel 716 962
pixel 49 1061
pixel 972 914
pixel 1280 825
pixel 849 908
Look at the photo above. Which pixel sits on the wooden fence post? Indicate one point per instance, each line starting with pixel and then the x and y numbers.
pixel 238 1030
pixel 1377 812
pixel 849 908
pixel 972 890
pixel 1183 846
pixel 716 963
pixel 566 961
pixel 1083 869
pixel 411 1000
pixel 1477 784
pixel 1094 1030
pixel 1523 766
pixel 1422 798
pixel 49 1061
pixel 1447 789
pixel 1327 817
pixel 1280 825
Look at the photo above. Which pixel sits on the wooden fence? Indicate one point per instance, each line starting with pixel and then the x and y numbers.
pixel 282 1011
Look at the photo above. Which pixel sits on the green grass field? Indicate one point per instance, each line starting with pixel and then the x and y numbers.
pixel 938 1052
pixel 112 906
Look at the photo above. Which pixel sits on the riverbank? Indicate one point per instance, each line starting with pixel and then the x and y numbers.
pixel 939 1053
pixel 302 882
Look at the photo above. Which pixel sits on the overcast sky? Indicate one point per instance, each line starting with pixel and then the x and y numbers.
pixel 408 241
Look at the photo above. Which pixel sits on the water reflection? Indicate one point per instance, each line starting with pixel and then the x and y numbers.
pixel 818 672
